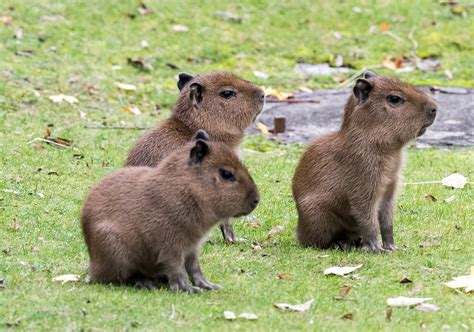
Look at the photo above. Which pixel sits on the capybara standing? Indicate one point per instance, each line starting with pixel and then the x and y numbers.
pixel 143 223
pixel 220 103
pixel 345 183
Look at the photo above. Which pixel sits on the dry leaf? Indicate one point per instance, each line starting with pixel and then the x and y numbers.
pixel 427 307
pixel 388 314
pixel 67 278
pixel 430 198
pixel 144 44
pixel 405 280
pixel 228 16
pixel 254 225
pixel 305 89
pixel 341 270
pixel 132 109
pixel 339 61
pixel 229 315
pixel 466 282
pixel 275 230
pixel 260 74
pixel 384 26
pixel 343 292
pixel 349 316
pixel 454 180
pixel 7 20
pixel 180 28
pixel 256 247
pixel 415 290
pixel 285 276
pixel 126 87
pixel 402 301
pixel 263 129
pixel 449 199
pixel 280 95
pixel 248 315
pixel 295 307
pixel 60 98
pixel 448 74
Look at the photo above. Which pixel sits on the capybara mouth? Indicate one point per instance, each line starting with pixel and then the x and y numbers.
pixel 423 129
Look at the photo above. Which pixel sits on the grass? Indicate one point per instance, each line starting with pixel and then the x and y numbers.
pixel 42 188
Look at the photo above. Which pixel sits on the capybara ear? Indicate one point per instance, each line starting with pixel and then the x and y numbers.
pixel 201 135
pixel 198 152
pixel 369 74
pixel 184 78
pixel 196 92
pixel 362 89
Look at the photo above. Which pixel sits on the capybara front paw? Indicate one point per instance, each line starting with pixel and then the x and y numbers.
pixel 374 247
pixel 390 247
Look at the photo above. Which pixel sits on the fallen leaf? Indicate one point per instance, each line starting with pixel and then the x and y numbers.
pixel 305 89
pixel 143 9
pixel 280 95
pixel 228 16
pixel 466 282
pixel 341 270
pixel 430 198
pixel 248 316
pixel 229 315
pixel 7 20
pixel 343 292
pixel 405 280
pixel 56 18
pixel 427 307
pixel 384 26
pixel 19 34
pixel 338 61
pixel 144 44
pixel 388 314
pixel 294 307
pixel 132 109
pixel 256 247
pixel 254 225
pixel 140 64
pixel 260 74
pixel 27 53
pixel 402 301
pixel 67 278
pixel 180 28
pixel 263 129
pixel 275 230
pixel 458 227
pixel 60 98
pixel 349 316
pixel 126 87
pixel 285 276
pixel 449 199
pixel 448 74
pixel 454 180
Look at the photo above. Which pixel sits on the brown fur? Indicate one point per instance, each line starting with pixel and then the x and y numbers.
pixel 142 223
pixel 225 120
pixel 345 183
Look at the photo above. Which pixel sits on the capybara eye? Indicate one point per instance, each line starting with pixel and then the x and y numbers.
pixel 395 100
pixel 227 94
pixel 226 175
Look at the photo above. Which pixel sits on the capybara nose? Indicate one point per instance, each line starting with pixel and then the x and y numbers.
pixel 254 199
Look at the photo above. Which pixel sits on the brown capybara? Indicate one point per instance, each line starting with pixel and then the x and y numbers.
pixel 144 223
pixel 345 183
pixel 220 103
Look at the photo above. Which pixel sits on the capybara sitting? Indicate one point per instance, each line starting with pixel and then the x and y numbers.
pixel 220 103
pixel 143 223
pixel 345 183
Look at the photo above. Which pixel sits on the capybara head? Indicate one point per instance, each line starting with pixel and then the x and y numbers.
pixel 218 99
pixel 390 109
pixel 217 177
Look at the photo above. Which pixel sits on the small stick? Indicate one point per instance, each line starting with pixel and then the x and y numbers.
pixel 114 127
pixel 53 143
pixel 292 101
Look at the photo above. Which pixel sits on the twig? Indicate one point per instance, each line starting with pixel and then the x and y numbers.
pixel 53 143
pixel 114 127
pixel 394 36
pixel 357 74
pixel 292 101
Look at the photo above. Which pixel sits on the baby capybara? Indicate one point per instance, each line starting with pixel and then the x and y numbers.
pixel 143 223
pixel 345 183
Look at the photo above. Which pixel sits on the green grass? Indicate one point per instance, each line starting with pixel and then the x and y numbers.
pixel 39 225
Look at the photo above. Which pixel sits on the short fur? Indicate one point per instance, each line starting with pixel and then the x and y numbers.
pixel 345 183
pixel 199 106
pixel 142 223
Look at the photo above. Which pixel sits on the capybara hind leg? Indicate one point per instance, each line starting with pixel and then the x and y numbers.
pixel 317 230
